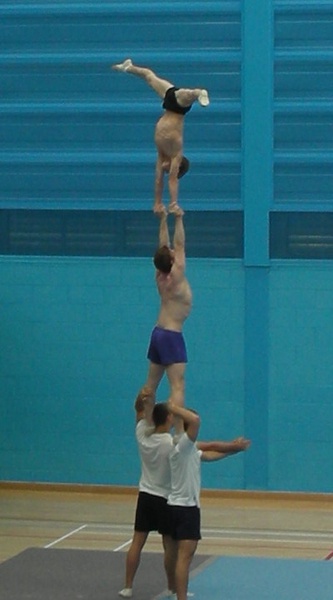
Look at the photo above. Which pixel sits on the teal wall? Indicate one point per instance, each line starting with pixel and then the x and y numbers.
pixel 300 406
pixel 74 336
pixel 78 135
pixel 74 331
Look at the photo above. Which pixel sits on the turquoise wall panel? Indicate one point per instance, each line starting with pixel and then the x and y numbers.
pixel 303 90
pixel 73 130
pixel 301 379
pixel 74 336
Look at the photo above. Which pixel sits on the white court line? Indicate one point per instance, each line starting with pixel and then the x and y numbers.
pixel 122 546
pixel 105 526
pixel 283 541
pixel 254 535
pixel 248 533
pixel 233 533
pixel 65 536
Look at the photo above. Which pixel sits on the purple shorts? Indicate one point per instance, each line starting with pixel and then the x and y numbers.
pixel 166 347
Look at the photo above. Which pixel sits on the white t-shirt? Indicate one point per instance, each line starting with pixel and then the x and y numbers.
pixel 154 449
pixel 185 463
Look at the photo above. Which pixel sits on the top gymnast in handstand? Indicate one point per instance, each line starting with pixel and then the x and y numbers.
pixel 169 129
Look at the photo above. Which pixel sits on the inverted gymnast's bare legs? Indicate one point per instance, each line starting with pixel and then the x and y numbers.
pixel 185 96
pixel 159 85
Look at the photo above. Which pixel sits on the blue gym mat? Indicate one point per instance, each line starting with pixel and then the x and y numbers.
pixel 236 578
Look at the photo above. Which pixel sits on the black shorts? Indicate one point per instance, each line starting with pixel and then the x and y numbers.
pixel 170 102
pixel 152 514
pixel 185 522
